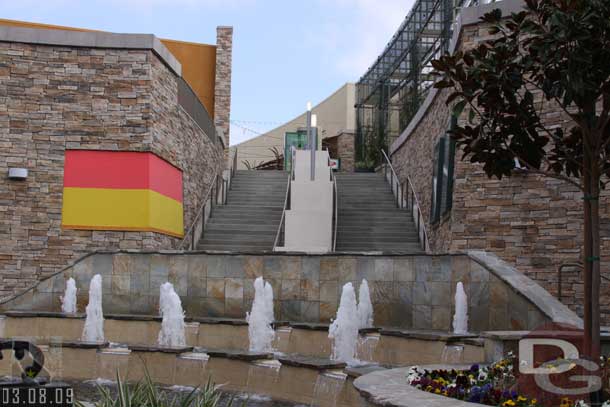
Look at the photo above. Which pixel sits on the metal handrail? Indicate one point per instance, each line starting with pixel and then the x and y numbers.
pixel 335 209
pixel 212 197
pixel 286 204
pixel 579 266
pixel 233 167
pixel 401 202
pixel 200 213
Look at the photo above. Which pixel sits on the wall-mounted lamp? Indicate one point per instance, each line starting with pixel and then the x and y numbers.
pixel 17 174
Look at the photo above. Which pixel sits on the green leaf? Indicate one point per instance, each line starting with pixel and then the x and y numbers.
pixel 471 116
pixel 452 97
pixel 443 84
pixel 458 108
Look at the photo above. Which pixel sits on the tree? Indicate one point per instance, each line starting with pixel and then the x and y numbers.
pixel 559 49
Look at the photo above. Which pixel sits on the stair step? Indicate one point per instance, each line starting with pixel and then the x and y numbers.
pixel 247 218
pixel 251 221
pixel 234 248
pixel 240 229
pixel 376 230
pixel 228 242
pixel 369 219
pixel 261 237
pixel 377 239
pixel 243 208
pixel 407 248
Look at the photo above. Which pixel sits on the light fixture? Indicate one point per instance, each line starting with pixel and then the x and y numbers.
pixel 17 174
pixel 309 106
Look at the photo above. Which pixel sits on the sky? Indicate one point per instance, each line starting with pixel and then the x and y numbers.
pixel 285 52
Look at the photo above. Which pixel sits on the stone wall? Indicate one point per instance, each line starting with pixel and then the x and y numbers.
pixel 533 222
pixel 407 291
pixel 222 90
pixel 178 138
pixel 54 98
pixel 346 150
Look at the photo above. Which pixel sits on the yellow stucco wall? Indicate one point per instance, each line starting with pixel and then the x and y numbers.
pixel 198 60
pixel 198 68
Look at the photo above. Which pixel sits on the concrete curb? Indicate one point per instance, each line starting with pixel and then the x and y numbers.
pixel 549 305
pixel 390 388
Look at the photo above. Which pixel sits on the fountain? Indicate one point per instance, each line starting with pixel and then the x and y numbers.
pixel 68 300
pixel 365 307
pixel 452 354
pixel 460 319
pixel 344 329
pixel 269 302
pixel 260 318
pixel 172 333
pixel 94 324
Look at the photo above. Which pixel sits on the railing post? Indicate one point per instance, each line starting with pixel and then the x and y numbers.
pixel 397 194
pixel 192 240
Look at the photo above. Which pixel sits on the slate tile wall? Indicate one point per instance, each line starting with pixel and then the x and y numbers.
pixel 406 291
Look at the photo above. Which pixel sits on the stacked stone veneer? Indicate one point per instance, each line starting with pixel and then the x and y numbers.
pixel 533 222
pixel 54 98
pixel 407 291
pixel 222 90
pixel 346 150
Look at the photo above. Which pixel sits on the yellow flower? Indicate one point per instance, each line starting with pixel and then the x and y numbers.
pixel 508 403
pixel 437 391
pixel 521 398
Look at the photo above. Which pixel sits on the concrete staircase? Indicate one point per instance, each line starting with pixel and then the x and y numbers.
pixel 251 217
pixel 368 218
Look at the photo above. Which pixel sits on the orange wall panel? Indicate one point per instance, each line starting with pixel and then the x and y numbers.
pixel 198 68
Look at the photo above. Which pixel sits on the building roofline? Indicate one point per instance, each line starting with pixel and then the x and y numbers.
pixel 90 39
pixel 345 85
pixel 467 16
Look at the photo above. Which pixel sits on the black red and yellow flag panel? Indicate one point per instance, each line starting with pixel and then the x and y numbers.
pixel 120 190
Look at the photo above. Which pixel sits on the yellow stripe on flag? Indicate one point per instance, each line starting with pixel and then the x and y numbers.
pixel 121 209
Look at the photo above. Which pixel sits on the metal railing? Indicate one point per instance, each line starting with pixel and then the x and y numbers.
pixel 406 198
pixel 216 194
pixel 233 167
pixel 335 207
pixel 280 235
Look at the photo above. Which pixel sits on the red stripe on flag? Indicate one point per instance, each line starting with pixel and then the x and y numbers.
pixel 122 170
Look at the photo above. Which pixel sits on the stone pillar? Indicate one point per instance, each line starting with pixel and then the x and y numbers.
pixel 222 90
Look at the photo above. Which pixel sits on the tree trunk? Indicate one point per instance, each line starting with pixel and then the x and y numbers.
pixel 591 190
pixel 595 265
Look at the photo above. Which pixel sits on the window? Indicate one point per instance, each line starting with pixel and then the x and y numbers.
pixel 442 176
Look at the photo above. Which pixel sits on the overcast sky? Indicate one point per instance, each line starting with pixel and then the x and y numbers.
pixel 285 53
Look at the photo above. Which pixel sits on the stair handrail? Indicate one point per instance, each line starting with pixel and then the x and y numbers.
pixel 335 206
pixel 402 202
pixel 221 186
pixel 200 217
pixel 233 167
pixel 286 205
